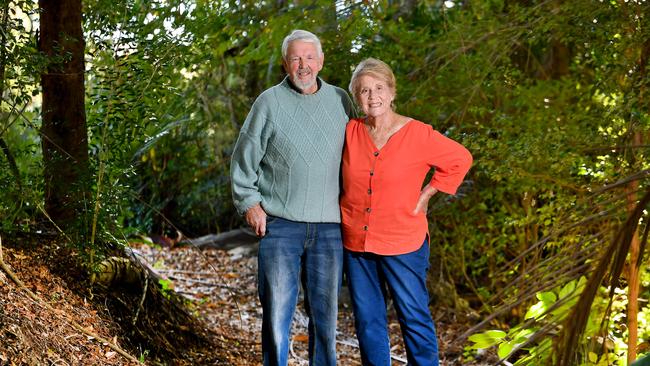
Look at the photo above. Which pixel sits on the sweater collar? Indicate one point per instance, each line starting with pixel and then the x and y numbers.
pixel 290 85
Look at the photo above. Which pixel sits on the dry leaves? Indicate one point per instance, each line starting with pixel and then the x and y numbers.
pixel 222 286
pixel 32 334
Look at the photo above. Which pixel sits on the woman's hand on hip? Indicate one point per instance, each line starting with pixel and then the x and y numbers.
pixel 423 200
pixel 256 218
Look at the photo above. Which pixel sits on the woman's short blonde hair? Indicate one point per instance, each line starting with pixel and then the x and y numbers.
pixel 375 68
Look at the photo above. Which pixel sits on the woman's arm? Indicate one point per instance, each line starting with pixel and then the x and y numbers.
pixel 423 200
pixel 451 161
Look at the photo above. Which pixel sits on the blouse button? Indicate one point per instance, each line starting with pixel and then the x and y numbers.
pixel 376 153
pixel 370 191
pixel 368 209
pixel 372 172
pixel 365 228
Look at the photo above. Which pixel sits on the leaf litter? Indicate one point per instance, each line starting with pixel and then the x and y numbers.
pixel 219 287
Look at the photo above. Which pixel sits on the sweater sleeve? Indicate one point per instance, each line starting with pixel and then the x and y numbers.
pixel 450 159
pixel 247 155
pixel 350 110
pixel 348 106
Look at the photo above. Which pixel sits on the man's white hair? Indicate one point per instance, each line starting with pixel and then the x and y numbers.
pixel 304 36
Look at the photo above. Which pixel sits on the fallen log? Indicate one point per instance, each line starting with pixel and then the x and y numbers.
pixel 159 319
pixel 226 241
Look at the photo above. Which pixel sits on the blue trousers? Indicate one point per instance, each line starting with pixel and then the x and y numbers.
pixel 292 253
pixel 405 277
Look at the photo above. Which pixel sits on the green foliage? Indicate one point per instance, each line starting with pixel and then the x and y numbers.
pixel 20 65
pixel 546 95
pixel 143 356
pixel 166 287
pixel 143 92
pixel 556 304
pixel 487 339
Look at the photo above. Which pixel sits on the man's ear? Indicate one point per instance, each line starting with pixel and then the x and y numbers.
pixel 322 61
pixel 284 66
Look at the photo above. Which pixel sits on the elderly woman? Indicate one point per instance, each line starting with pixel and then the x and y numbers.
pixel 383 206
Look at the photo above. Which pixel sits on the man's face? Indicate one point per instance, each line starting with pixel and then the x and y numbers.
pixel 303 64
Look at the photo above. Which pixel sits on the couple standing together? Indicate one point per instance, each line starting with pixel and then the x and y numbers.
pixel 326 191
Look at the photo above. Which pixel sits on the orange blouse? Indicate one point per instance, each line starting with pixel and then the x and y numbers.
pixel 381 186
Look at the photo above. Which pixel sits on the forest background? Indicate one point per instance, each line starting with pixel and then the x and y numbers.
pixel 546 237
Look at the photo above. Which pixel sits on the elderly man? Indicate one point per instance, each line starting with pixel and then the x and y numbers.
pixel 285 180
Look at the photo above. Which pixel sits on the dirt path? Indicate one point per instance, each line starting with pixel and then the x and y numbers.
pixel 222 288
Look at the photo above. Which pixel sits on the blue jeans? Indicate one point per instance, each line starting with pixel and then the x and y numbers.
pixel 405 276
pixel 292 253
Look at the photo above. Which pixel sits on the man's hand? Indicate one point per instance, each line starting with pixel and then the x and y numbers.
pixel 256 218
pixel 423 200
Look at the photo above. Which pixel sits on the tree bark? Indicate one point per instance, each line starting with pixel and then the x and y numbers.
pixel 406 8
pixel 633 279
pixel 63 133
pixel 633 273
pixel 556 61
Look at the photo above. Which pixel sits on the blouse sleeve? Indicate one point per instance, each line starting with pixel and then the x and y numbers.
pixel 450 159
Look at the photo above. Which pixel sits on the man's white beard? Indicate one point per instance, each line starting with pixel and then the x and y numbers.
pixel 305 85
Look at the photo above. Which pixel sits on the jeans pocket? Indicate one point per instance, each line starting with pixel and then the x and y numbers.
pixel 270 219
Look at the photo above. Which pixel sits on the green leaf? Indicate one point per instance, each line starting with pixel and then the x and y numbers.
pixel 548 298
pixel 487 339
pixel 505 349
pixel 165 284
pixel 520 336
pixel 567 289
pixel 535 311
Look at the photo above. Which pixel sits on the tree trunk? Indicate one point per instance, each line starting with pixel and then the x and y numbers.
pixel 406 8
pixel 556 60
pixel 633 278
pixel 633 274
pixel 63 133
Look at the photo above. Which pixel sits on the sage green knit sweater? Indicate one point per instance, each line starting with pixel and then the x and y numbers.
pixel 288 153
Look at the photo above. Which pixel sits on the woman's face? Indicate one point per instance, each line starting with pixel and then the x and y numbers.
pixel 374 96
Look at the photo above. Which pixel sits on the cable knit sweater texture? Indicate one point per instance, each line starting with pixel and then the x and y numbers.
pixel 288 154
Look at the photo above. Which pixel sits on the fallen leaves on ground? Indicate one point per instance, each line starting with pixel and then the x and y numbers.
pixel 222 288
pixel 33 334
